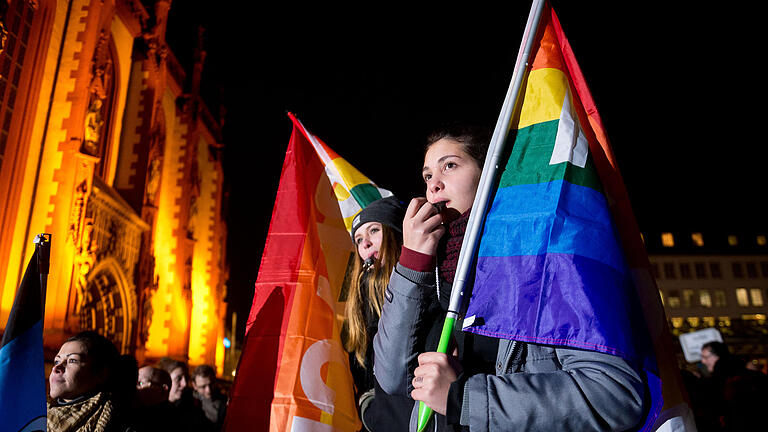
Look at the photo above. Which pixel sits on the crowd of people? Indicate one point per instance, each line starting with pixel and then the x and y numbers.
pixel 398 296
pixel 94 388
pixel 726 394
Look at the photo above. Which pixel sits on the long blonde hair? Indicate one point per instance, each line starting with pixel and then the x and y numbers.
pixel 377 279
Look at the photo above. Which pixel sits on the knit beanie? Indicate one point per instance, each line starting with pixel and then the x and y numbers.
pixel 387 211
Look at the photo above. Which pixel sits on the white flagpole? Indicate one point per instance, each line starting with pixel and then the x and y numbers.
pixel 491 166
pixel 485 187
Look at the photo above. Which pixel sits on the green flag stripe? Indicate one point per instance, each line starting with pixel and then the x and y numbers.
pixel 528 162
pixel 365 194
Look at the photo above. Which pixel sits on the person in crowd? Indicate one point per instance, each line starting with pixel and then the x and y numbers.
pixel 733 396
pixel 486 383
pixel 83 391
pixel 377 235
pixel 213 402
pixel 185 406
pixel 153 410
pixel 179 372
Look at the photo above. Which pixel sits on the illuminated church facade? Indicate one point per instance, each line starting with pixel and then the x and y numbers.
pixel 106 144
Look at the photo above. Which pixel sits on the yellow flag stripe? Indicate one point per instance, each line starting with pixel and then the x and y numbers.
pixel 349 174
pixel 544 96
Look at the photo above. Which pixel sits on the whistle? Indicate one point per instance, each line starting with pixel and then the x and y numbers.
pixel 439 206
pixel 368 263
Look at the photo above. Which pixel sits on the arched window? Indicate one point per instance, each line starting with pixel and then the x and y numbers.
pixel 18 24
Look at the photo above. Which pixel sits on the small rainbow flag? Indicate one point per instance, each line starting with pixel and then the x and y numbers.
pixel 353 189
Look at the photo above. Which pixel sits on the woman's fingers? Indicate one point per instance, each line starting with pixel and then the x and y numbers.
pixel 422 227
pixel 432 380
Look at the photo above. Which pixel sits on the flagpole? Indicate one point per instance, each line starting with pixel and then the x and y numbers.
pixel 43 246
pixel 485 187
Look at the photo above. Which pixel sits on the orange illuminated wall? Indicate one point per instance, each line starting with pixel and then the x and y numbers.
pixel 170 316
pixel 204 331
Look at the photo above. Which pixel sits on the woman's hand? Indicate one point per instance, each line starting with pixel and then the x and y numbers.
pixel 422 227
pixel 433 379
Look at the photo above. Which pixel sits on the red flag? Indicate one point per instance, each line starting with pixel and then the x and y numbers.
pixel 294 373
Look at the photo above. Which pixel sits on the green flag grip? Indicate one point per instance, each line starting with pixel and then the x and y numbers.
pixel 425 412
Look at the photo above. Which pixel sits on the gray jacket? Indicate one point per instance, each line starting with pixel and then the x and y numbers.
pixel 534 388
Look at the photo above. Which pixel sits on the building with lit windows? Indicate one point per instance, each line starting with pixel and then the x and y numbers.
pixel 106 144
pixel 715 279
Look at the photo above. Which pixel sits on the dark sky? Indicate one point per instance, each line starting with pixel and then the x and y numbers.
pixel 679 87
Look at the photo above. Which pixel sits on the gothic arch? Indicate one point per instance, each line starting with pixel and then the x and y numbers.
pixel 109 306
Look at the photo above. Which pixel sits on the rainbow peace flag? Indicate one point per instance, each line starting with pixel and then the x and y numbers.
pixel 560 260
pixel 353 189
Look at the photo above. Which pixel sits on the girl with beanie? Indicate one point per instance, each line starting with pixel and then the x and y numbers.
pixel 377 234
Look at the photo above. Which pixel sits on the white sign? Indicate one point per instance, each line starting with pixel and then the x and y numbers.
pixel 692 342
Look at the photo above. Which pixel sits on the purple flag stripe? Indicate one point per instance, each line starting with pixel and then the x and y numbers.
pixel 532 299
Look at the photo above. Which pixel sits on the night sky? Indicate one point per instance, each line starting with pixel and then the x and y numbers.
pixel 679 88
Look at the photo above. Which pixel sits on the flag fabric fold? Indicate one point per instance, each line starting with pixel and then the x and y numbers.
pixel 294 373
pixel 22 368
pixel 560 260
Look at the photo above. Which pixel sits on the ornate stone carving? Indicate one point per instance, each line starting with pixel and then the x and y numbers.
pixel 85 259
pixel 107 258
pixel 192 219
pixel 153 181
pixel 78 210
pixel 99 94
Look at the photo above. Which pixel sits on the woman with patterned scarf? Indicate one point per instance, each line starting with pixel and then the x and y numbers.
pixel 82 391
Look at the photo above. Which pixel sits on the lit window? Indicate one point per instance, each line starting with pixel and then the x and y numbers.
pixel 705 299
pixel 761 240
pixel 667 239
pixel 724 321
pixel 673 298
pixel 698 239
pixel 677 322
pixel 733 240
pixel 693 321
pixel 756 296
pixel 687 298
pixel 720 299
pixel 741 297
pixel 708 321
pixel 759 318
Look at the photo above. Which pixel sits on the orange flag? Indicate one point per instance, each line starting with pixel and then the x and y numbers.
pixel 294 373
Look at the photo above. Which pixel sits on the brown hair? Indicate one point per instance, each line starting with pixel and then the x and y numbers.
pixel 205 371
pixel 377 279
pixel 474 140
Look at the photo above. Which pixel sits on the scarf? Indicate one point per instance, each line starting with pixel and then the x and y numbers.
pixel 88 415
pixel 450 246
